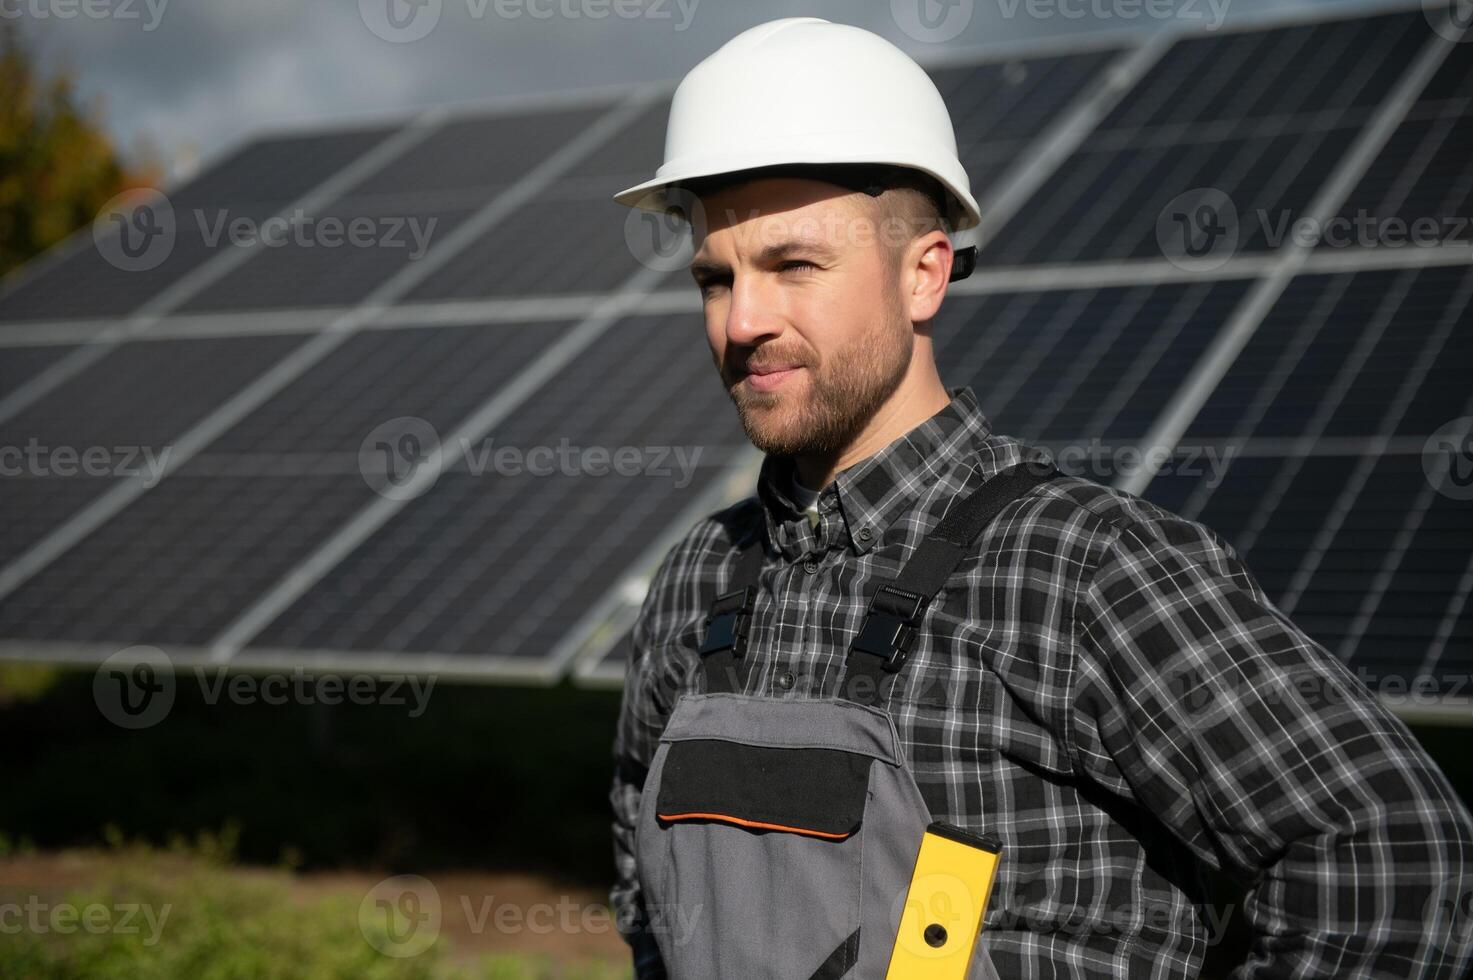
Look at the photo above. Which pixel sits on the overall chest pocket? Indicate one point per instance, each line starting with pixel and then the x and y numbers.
pixel 753 853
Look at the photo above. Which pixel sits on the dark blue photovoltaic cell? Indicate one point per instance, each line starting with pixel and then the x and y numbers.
pixel 1419 189
pixel 555 246
pixel 146 393
pixel 118 418
pixel 1341 347
pixel 1422 598
pixel 1378 582
pixel 438 374
pixel 1106 202
pixel 490 560
pixel 177 564
pixel 32 506
pixel 1261 117
pixel 460 163
pixel 1335 66
pixel 20 364
pixel 630 157
pixel 194 551
pixel 86 283
pixel 278 168
pixel 340 257
pixel 1068 365
pixel 999 107
pixel 253 182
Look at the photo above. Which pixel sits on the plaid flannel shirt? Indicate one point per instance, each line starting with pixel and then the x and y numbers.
pixel 1105 687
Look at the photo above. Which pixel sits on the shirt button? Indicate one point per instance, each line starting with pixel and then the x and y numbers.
pixel 785 680
pixel 810 567
pixel 865 534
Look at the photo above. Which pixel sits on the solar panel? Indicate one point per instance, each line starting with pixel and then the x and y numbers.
pixel 1421 184
pixel 1260 117
pixel 117 419
pixel 251 184
pixel 554 320
pixel 438 374
pixel 998 108
pixel 333 259
pixel 30 506
pixel 555 245
pixel 467 159
pixel 1079 364
pixel 1324 426
pixel 145 393
pixel 20 364
pixel 492 562
pixel 190 554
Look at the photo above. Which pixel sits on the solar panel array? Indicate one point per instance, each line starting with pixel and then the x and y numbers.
pixel 325 455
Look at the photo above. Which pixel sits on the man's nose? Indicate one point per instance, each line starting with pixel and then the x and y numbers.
pixel 754 312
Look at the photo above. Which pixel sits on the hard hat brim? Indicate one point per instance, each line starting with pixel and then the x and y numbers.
pixel 651 194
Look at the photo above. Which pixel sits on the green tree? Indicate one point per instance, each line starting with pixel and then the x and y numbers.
pixel 57 166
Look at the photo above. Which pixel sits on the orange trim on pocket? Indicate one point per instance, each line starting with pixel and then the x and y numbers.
pixel 727 818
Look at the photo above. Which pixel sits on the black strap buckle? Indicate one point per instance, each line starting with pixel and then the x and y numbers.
pixel 726 625
pixel 890 626
pixel 963 262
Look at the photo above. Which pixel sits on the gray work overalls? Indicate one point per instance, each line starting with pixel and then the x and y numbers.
pixel 777 836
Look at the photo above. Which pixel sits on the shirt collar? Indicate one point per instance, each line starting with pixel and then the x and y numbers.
pixel 864 500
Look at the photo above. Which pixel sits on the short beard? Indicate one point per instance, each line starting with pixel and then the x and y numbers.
pixel 845 395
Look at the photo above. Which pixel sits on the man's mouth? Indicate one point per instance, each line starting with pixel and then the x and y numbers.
pixel 769 377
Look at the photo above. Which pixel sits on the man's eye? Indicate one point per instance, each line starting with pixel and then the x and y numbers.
pixel 799 264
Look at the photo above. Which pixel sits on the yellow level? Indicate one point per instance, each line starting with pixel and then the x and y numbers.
pixel 944 905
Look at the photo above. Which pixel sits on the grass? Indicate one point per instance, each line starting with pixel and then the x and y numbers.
pixel 187 911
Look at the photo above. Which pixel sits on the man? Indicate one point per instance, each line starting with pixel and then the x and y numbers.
pixel 1095 683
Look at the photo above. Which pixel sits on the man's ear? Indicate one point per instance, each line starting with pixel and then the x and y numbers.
pixel 924 274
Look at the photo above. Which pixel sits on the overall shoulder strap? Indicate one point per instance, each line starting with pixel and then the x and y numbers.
pixel 895 610
pixel 729 619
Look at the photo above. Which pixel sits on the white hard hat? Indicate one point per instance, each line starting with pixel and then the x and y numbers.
pixel 802 90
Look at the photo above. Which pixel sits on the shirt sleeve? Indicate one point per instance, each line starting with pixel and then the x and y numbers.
pixel 650 687
pixel 1196 696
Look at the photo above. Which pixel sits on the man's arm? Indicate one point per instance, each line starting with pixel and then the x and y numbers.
pixel 651 683
pixel 625 897
pixel 1192 692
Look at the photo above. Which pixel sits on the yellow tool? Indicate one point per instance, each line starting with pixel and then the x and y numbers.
pixel 944 905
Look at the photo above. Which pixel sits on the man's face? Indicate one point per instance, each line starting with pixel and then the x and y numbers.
pixel 803 312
